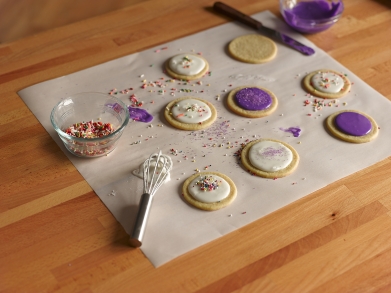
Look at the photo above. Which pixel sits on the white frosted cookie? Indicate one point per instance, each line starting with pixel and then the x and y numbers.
pixel 352 126
pixel 209 191
pixel 189 113
pixel 253 49
pixel 252 101
pixel 327 84
pixel 187 66
pixel 269 158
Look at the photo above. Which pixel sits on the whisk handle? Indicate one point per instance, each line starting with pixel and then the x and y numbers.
pixel 141 220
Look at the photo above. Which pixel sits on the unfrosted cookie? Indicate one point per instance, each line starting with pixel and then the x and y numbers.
pixel 209 191
pixel 252 101
pixel 269 158
pixel 189 113
pixel 187 66
pixel 327 84
pixel 253 49
pixel 352 126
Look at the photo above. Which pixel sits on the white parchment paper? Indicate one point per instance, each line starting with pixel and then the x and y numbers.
pixel 174 227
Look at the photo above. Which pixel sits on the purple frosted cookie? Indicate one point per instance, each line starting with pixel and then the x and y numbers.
pixel 252 101
pixel 352 126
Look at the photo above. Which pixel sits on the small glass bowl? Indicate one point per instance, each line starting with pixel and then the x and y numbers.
pixel 311 16
pixel 84 107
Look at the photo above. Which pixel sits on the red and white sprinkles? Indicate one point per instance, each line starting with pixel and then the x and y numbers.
pixel 90 129
pixel 327 82
pixel 191 111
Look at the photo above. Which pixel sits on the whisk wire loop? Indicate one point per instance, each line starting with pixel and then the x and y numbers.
pixel 156 169
pixel 153 179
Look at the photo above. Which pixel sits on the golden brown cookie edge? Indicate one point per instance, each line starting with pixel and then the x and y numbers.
pixel 231 104
pixel 270 175
pixel 350 138
pixel 188 126
pixel 308 86
pixel 209 206
pixel 270 57
pixel 175 75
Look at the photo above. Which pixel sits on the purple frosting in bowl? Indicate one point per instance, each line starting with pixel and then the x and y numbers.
pixel 353 123
pixel 253 99
pixel 311 16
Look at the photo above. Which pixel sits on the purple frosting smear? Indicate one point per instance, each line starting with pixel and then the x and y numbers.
pixel 353 123
pixel 253 99
pixel 294 130
pixel 138 114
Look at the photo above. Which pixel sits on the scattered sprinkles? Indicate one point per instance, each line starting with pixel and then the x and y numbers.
pixel 90 129
pixel 208 183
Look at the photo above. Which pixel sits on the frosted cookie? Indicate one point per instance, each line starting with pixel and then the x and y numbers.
pixel 190 113
pixel 269 158
pixel 352 126
pixel 187 66
pixel 252 49
pixel 252 101
pixel 327 84
pixel 209 191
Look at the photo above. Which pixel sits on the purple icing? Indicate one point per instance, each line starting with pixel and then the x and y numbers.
pixel 315 9
pixel 294 130
pixel 302 15
pixel 138 114
pixel 273 152
pixel 299 47
pixel 253 99
pixel 353 123
pixel 116 107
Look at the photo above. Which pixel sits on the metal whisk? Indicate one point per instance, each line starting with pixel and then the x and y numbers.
pixel 156 169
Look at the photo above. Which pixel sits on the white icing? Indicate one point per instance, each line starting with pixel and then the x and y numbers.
pixel 209 196
pixel 327 82
pixel 140 171
pixel 186 64
pixel 191 111
pixel 270 156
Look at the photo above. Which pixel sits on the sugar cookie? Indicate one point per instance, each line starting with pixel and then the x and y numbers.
pixel 209 191
pixel 252 101
pixel 187 66
pixel 269 158
pixel 189 113
pixel 352 126
pixel 327 84
pixel 252 49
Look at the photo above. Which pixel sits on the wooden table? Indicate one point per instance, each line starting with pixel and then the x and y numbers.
pixel 57 236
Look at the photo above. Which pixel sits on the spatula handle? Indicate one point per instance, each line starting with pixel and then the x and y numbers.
pixel 237 15
pixel 141 220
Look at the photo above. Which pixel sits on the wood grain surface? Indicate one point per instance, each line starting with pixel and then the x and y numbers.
pixel 57 236
pixel 24 18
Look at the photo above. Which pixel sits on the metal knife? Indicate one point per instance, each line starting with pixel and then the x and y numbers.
pixel 271 33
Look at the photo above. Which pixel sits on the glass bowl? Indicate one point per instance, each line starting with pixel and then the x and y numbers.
pixel 89 107
pixel 311 16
